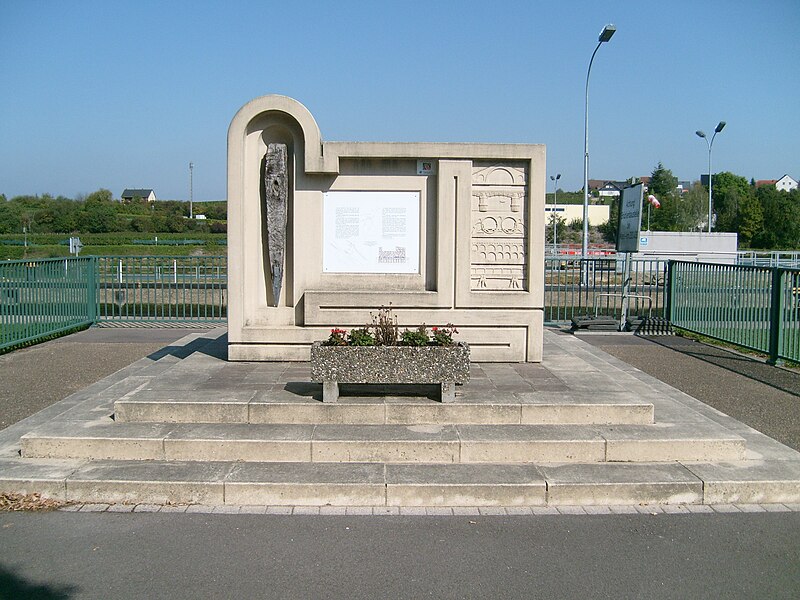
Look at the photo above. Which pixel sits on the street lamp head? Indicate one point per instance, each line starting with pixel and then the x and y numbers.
pixel 607 33
pixel 558 176
pixel 699 133
pixel 719 127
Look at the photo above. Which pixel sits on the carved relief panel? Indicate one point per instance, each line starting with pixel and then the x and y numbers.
pixel 498 257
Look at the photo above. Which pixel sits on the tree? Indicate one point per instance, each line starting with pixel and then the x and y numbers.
pixel 751 220
pixel 663 185
pixel 693 208
pixel 561 227
pixel 781 212
pixel 728 192
pixel 99 214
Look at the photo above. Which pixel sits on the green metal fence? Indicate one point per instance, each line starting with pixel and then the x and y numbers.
pixel 578 287
pixel 752 307
pixel 159 289
pixel 39 298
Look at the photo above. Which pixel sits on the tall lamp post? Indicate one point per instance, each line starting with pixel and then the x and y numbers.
pixel 555 216
pixel 605 35
pixel 720 126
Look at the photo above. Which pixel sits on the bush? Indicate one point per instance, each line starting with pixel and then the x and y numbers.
pixel 415 337
pixel 361 337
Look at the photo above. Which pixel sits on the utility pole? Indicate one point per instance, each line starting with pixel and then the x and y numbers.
pixel 191 189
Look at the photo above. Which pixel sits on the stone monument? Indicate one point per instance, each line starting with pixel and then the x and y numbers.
pixel 321 234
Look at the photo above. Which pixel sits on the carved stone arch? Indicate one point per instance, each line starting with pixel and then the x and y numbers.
pixel 275 111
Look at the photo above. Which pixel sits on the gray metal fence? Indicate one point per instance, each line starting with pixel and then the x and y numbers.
pixel 578 287
pixel 157 289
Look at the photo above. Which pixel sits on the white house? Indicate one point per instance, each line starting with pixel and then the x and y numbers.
pixel 786 183
pixel 143 193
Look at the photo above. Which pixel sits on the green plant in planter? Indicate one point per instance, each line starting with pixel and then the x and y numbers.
pixel 415 337
pixel 361 337
pixel 336 338
pixel 443 336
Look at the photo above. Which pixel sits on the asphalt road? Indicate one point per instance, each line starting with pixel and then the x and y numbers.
pixel 74 555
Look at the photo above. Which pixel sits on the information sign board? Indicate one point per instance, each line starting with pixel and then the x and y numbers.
pixel 371 232
pixel 630 219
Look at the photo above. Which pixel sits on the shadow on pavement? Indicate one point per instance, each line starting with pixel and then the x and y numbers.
pixel 781 379
pixel 13 586
pixel 216 348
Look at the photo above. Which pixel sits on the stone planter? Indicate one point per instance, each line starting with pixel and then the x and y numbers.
pixel 444 365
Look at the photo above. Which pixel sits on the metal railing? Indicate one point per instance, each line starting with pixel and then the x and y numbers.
pixel 753 307
pixel 566 296
pixel 39 298
pixel 155 288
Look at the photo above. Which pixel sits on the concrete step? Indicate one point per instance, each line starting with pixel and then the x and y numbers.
pixel 370 484
pixel 208 406
pixel 507 444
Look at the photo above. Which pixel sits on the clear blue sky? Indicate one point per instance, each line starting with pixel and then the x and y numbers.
pixel 124 94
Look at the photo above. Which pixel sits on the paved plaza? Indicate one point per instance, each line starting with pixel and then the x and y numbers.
pixel 184 426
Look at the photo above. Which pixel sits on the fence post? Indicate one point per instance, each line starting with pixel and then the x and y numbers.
pixel 93 295
pixel 668 291
pixel 775 314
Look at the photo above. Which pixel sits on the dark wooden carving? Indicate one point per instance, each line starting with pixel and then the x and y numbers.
pixel 276 192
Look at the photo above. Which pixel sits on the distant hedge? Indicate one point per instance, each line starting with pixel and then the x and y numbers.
pixel 110 239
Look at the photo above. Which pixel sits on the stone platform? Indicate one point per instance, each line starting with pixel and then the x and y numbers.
pixel 186 426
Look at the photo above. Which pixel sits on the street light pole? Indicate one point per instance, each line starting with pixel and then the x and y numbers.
pixel 605 35
pixel 720 126
pixel 555 216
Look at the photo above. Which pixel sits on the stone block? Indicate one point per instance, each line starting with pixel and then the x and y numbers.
pixel 433 413
pixel 153 482
pixel 306 484
pixel 670 442
pixel 339 413
pixel 390 443
pixel 749 482
pixel 237 442
pixel 529 444
pixel 611 483
pixel 464 485
pixel 96 441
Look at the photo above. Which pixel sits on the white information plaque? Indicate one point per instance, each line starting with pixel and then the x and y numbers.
pixel 371 232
